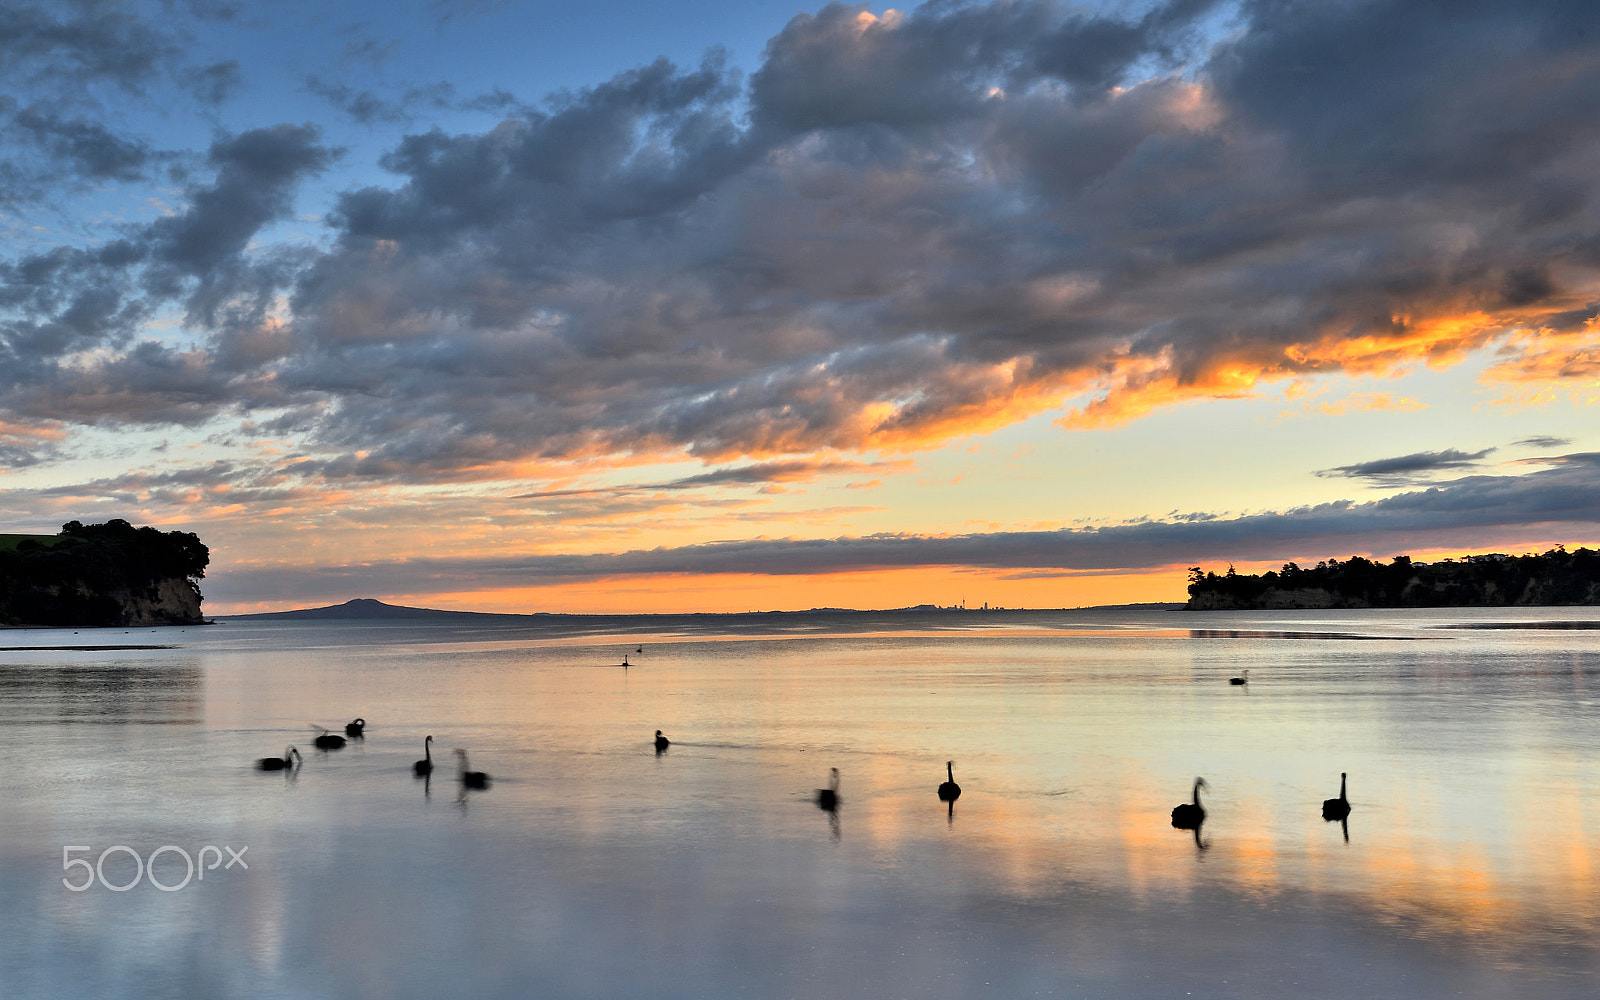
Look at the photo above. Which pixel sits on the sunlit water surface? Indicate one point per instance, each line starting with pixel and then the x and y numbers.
pixel 594 867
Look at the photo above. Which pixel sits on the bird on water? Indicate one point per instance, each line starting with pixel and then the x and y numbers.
pixel 326 740
pixel 290 757
pixel 356 728
pixel 661 741
pixel 1338 808
pixel 1189 815
pixel 1243 678
pixel 828 798
pixel 471 779
pixel 949 791
pixel 424 766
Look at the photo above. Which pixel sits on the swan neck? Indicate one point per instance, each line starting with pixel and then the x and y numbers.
pixel 950 771
pixel 1197 791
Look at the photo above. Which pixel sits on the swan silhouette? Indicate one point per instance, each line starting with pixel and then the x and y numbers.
pixel 326 740
pixel 661 741
pixel 424 767
pixel 828 798
pixel 471 779
pixel 624 660
pixel 949 791
pixel 1338 808
pixel 1243 678
pixel 356 728
pixel 290 757
pixel 1189 815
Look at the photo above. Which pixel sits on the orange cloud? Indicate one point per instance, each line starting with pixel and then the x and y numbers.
pixel 1133 386
pixel 1545 364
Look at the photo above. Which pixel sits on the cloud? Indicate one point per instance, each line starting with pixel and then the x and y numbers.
pixel 1543 441
pixel 214 83
pixel 895 231
pixel 76 43
pixel 86 147
pixel 71 316
pixel 760 474
pixel 1406 469
pixel 1470 512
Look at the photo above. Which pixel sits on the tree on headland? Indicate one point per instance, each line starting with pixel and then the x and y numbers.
pixel 1551 578
pixel 103 574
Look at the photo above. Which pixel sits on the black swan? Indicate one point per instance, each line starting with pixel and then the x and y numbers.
pixel 326 740
pixel 661 741
pixel 1338 808
pixel 471 779
pixel 828 798
pixel 949 791
pixel 1189 815
pixel 424 766
pixel 290 757
pixel 355 728
pixel 1243 678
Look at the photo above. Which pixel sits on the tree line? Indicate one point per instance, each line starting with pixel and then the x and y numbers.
pixel 1549 578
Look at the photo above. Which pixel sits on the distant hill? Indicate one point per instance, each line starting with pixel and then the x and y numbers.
pixel 367 609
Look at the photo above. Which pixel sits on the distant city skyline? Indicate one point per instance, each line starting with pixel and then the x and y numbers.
pixel 728 307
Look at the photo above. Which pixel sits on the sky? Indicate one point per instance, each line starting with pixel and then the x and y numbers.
pixel 725 306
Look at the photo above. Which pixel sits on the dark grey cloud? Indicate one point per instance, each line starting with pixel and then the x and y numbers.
pixel 70 300
pixel 214 83
pixel 1544 441
pixel 1472 512
pixel 85 147
pixel 368 108
pixel 79 42
pixel 80 72
pixel 1405 469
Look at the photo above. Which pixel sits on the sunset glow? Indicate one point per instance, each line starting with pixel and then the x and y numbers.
pixel 780 308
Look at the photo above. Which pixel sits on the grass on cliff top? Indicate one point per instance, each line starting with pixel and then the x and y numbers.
pixel 9 542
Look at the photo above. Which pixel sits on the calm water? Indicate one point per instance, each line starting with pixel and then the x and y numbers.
pixel 595 868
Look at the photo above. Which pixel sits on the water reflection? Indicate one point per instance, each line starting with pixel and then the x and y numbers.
pixel 165 693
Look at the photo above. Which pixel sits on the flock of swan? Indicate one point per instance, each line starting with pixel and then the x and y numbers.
pixel 1185 815
pixel 356 730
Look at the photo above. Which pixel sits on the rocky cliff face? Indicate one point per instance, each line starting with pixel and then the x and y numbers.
pixel 173 601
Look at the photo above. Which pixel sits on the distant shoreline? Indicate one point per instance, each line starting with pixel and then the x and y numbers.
pixel 368 609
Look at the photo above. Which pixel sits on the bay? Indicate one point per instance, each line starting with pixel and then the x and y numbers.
pixel 594 867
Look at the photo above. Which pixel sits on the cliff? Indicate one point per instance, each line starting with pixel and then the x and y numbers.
pixel 103 575
pixel 1556 577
